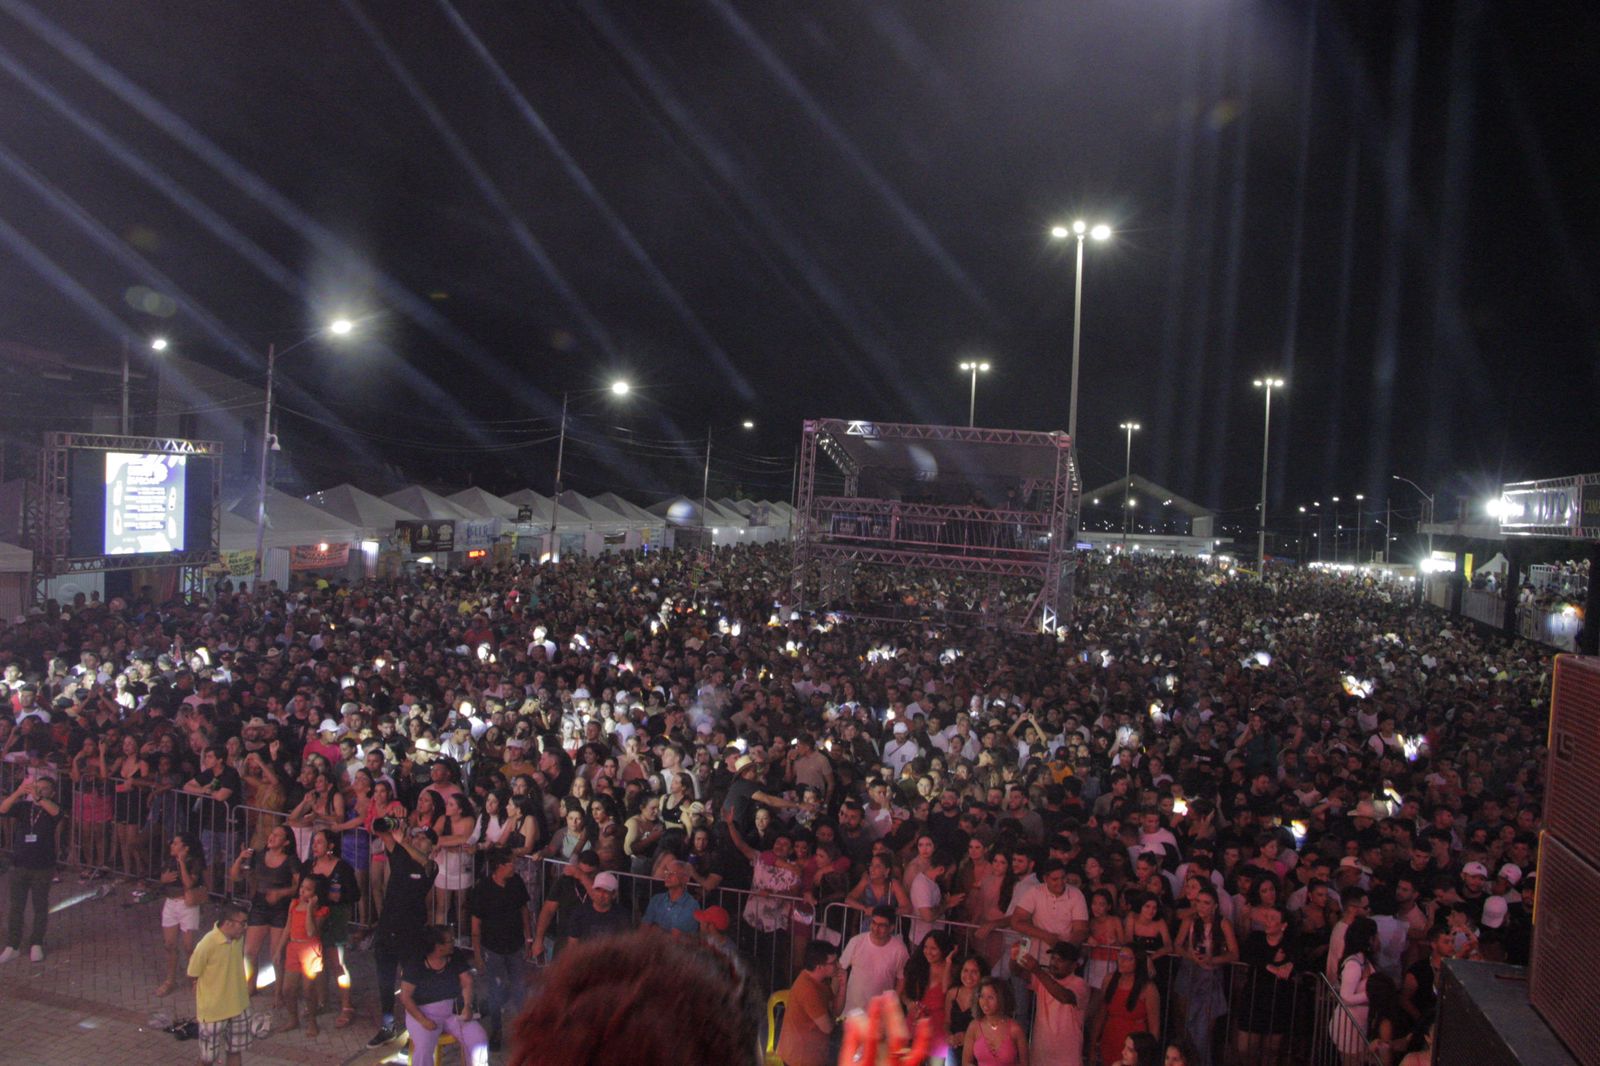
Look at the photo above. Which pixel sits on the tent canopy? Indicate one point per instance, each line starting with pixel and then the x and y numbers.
pixel 290 521
pixel 483 504
pixel 566 517
pixel 14 559
pixel 598 515
pixel 363 508
pixel 425 503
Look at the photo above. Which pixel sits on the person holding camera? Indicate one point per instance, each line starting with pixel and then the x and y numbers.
pixel 404 913
pixel 33 857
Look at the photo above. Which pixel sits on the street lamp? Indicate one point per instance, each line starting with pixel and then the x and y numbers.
pixel 1079 229
pixel 616 388
pixel 1425 496
pixel 972 404
pixel 1337 529
pixel 339 327
pixel 1127 479
pixel 157 344
pixel 1359 498
pixel 1266 384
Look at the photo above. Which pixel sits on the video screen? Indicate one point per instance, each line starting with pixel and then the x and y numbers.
pixel 139 505
pixel 144 502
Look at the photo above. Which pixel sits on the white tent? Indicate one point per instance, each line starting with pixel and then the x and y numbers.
pixel 483 504
pixel 16 574
pixel 577 532
pixel 362 508
pixel 290 521
pixel 612 531
pixel 424 503
pixel 726 527
pixel 652 528
pixel 15 560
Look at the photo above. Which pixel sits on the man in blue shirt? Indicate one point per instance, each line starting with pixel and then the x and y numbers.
pixel 673 909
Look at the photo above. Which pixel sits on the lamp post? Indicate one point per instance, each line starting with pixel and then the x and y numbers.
pixel 1267 385
pixel 1318 536
pixel 1336 528
pixel 972 404
pixel 616 388
pixel 157 344
pixel 705 477
pixel 1429 499
pixel 339 327
pixel 1127 479
pixel 1079 229
pixel 1300 544
pixel 1359 498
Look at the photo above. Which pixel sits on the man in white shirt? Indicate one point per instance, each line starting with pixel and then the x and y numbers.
pixel 872 961
pixel 900 749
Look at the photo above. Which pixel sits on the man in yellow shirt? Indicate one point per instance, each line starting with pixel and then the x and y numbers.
pixel 221 991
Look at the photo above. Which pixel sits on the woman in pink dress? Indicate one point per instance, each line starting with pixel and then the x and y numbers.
pixel 993 1039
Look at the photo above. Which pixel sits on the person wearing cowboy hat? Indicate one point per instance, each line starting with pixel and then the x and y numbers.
pixel 746 792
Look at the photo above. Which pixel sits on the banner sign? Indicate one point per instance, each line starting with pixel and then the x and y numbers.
pixel 1560 507
pixel 479 533
pixel 866 526
pixel 317 557
pixel 525 514
pixel 615 538
pixel 425 536
pixel 233 564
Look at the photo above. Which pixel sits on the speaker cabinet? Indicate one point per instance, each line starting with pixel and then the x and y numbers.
pixel 1565 923
pixel 1485 1020
pixel 1572 793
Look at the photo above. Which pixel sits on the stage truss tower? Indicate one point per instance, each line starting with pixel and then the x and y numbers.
pixel 999 506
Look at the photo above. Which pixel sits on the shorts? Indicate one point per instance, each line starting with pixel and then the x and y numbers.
pixel 230 1036
pixel 263 913
pixel 304 957
pixel 175 912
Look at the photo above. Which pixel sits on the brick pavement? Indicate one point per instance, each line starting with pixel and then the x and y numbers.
pixel 89 1001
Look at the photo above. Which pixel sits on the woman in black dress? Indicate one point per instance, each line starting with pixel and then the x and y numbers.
pixel 1270 954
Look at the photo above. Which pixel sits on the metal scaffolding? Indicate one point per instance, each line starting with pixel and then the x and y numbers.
pixel 991 504
pixel 47 511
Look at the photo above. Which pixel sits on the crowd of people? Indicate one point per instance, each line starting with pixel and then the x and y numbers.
pixel 1062 848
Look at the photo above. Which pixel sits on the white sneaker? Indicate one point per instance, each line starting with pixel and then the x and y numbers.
pixel 8 954
pixel 36 953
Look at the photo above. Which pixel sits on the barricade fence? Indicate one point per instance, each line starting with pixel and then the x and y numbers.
pixel 125 828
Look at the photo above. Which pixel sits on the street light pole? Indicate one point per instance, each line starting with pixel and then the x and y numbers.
pixel 1336 529
pixel 705 488
pixel 555 497
pixel 339 327
pixel 616 388
pixel 1080 229
pixel 1267 384
pixel 1359 498
pixel 972 404
pixel 1127 475
pixel 1425 496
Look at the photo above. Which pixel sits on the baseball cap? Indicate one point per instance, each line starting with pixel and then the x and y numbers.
pixel 1511 873
pixel 899 728
pixel 1350 862
pixel 1494 912
pixel 716 917
pixel 606 880
pixel 1474 869
pixel 329 726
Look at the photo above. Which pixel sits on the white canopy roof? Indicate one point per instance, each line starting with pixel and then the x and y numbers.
pixel 682 511
pixel 14 559
pixel 483 504
pixel 566 517
pixel 630 509
pixel 290 521
pixel 600 516
pixel 363 508
pixel 425 503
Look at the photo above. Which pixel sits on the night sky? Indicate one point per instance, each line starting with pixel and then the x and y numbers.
pixel 775 211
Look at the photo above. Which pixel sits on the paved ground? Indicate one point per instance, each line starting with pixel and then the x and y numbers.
pixel 90 1000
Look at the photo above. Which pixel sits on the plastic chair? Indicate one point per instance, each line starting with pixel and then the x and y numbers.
pixel 445 1040
pixel 777 1007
